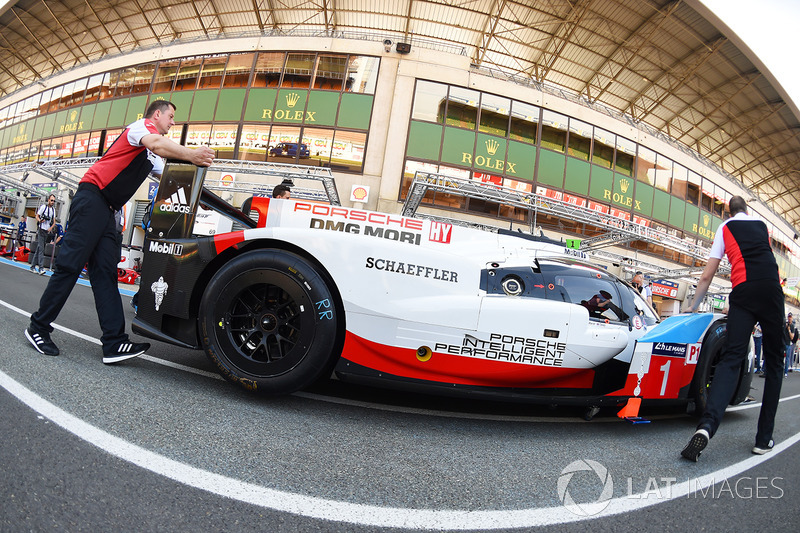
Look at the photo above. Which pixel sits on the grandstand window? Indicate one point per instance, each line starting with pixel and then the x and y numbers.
pixel 212 71
pixel 580 139
pixel 494 114
pixel 223 140
pixel 198 135
pixel 254 142
pixel 188 72
pixel 603 150
pixel 237 73
pixel 279 135
pixel 298 71
pixel 143 78
pixel 680 181
pixel 72 93
pixel 52 98
pixel 347 151
pixel 429 101
pixel 330 72
pixel 320 145
pixel 626 155
pixel 111 136
pixel 269 66
pixel 693 191
pixel 362 74
pixel 646 167
pixel 524 122
pixel 81 147
pixel 554 131
pixel 462 108
pixel 165 76
pixel 96 87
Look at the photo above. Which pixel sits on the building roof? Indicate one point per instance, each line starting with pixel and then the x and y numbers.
pixel 670 65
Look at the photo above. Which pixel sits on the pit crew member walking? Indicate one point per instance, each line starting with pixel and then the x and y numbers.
pixel 756 296
pixel 92 234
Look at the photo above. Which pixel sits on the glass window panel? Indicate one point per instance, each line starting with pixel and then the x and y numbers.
pixel 211 73
pixel 348 151
pixel 663 173
pixel 707 193
pixel 411 168
pixel 198 135
pixel 72 94
pixel 462 108
pixel 111 136
pixel 94 144
pixel 95 87
pixel 580 139
pixel 626 154
pixel 223 140
pixel 297 73
pixel 29 108
pixel 494 114
pixel 429 101
pixel 254 142
pixel 693 195
pixel 55 96
pixel 125 80
pixel 680 180
pixel 187 74
pixel 524 122
pixel 113 77
pixel 331 72
pixel 144 78
pixel 554 131
pixel 268 69
pixel 174 134
pixel 237 73
pixel 603 150
pixel 320 144
pixel 282 141
pixel 165 76
pixel 362 74
pixel 645 165
pixel 81 147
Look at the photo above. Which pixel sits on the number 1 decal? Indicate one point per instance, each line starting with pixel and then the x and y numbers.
pixel 665 368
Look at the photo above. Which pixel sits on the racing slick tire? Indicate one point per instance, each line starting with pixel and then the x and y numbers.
pixel 270 322
pixel 713 345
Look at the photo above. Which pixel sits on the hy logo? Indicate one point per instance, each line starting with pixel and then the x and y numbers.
pixel 623 185
pixel 292 99
pixel 589 508
pixel 492 146
pixel 176 203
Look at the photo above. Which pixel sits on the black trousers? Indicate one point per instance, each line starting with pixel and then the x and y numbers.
pixel 750 302
pixel 92 239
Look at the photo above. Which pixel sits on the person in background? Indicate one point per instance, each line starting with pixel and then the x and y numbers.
pixel 756 296
pixel 789 338
pixel 21 229
pixel 105 188
pixel 282 191
pixel 643 287
pixel 45 216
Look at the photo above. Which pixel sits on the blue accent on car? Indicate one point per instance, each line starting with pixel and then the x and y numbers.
pixel 685 329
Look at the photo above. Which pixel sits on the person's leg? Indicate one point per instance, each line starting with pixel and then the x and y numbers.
pixel 726 372
pixel 103 273
pixel 757 348
pixel 772 327
pixel 42 243
pixel 787 356
pixel 76 247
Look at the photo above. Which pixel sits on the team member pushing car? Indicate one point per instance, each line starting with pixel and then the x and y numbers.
pixel 92 235
pixel 756 297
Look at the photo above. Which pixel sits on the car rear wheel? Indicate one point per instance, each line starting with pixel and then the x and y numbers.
pixel 270 322
pixel 713 345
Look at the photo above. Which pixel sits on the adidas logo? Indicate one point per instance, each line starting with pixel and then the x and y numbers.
pixel 176 203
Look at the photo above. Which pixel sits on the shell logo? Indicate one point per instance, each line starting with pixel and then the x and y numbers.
pixel 359 193
pixel 227 180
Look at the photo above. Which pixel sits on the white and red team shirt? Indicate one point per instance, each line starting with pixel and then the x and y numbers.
pixel 745 240
pixel 126 164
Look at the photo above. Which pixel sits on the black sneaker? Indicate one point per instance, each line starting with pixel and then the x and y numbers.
pixel 697 444
pixel 761 450
pixel 126 350
pixel 41 341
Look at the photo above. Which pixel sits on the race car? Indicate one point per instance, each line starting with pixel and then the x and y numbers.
pixel 311 288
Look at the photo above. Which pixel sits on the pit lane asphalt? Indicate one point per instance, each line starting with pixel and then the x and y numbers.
pixel 160 443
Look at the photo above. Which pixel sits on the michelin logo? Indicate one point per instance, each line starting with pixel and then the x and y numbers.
pixel 176 203
pixel 170 248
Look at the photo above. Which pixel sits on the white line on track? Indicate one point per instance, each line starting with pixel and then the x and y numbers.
pixel 354 513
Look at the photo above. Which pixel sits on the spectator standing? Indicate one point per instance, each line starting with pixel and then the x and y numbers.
pixel 756 296
pixel 45 217
pixel 789 338
pixel 93 237
pixel 282 191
